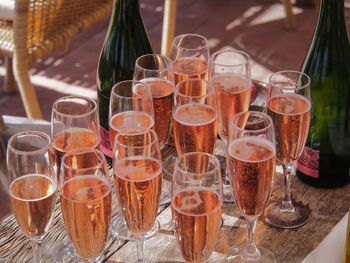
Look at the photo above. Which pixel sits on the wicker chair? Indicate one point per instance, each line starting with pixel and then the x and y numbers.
pixel 38 28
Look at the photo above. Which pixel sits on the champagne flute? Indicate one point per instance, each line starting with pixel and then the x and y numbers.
pixel 289 106
pixel 86 201
pixel 230 72
pixel 196 204
pixel 137 168
pixel 194 116
pixel 74 124
pixel 251 163
pixel 130 105
pixel 156 71
pixel 32 185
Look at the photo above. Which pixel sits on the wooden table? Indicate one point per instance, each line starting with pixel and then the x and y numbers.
pixel 328 207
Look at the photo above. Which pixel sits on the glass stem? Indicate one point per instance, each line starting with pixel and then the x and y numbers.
pixel 36 243
pixel 140 249
pixel 287 205
pixel 251 252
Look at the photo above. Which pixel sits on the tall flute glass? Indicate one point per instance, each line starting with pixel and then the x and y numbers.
pixel 194 116
pixel 32 185
pixel 137 168
pixel 196 204
pixel 86 202
pixel 229 73
pixel 156 71
pixel 130 106
pixel 74 124
pixel 251 163
pixel 289 106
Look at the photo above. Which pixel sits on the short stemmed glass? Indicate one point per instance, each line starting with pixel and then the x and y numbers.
pixel 289 106
pixel 32 185
pixel 86 202
pixel 229 73
pixel 74 124
pixel 137 168
pixel 196 204
pixel 194 116
pixel 251 162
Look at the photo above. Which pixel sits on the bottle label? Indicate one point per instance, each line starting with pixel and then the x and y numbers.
pixel 105 143
pixel 308 162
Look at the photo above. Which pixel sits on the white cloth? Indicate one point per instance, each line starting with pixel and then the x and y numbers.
pixel 332 247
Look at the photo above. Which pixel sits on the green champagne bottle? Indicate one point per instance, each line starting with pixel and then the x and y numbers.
pixel 326 157
pixel 126 40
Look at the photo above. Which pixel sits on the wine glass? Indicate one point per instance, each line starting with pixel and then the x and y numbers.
pixel 251 162
pixel 86 201
pixel 74 124
pixel 289 106
pixel 194 116
pixel 130 105
pixel 196 204
pixel 190 56
pixel 229 73
pixel 137 168
pixel 32 185
pixel 156 71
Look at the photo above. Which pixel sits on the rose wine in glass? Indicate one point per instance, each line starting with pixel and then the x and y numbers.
pixel 251 162
pixel 229 72
pixel 86 201
pixel 289 106
pixel 194 117
pixel 138 173
pixel 156 71
pixel 32 185
pixel 196 204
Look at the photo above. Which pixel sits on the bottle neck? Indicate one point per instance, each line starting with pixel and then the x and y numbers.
pixel 122 6
pixel 331 16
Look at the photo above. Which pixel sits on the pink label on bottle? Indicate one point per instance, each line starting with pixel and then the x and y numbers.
pixel 308 162
pixel 105 142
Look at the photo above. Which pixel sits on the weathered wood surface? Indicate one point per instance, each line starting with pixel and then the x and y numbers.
pixel 328 207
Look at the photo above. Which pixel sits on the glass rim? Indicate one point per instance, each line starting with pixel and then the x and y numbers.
pixel 141 130
pixel 115 86
pixel 178 37
pixel 33 133
pixel 167 59
pixel 208 84
pixel 243 53
pixel 264 115
pixel 298 86
pixel 211 157
pixel 56 112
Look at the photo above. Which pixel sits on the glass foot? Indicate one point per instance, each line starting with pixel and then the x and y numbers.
pixel 275 216
pixel 65 253
pixel 238 255
pixel 120 230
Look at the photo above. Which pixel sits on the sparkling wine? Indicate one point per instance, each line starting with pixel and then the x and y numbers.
pixel 162 93
pixel 291 115
pixel 197 216
pixel 138 185
pixel 71 139
pixel 190 68
pixel 195 128
pixel 232 96
pixel 129 119
pixel 33 201
pixel 86 203
pixel 251 163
